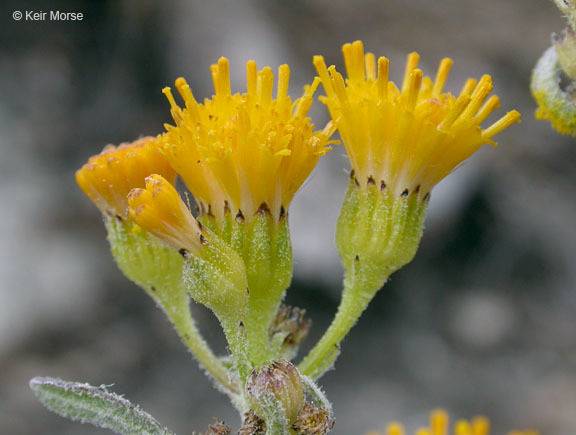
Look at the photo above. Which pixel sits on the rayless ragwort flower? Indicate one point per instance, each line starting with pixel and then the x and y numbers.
pixel 107 178
pixel 243 156
pixel 440 425
pixel 401 142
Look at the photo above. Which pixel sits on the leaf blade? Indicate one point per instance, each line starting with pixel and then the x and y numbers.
pixel 85 403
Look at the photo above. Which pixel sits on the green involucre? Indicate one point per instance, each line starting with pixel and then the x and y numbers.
pixel 377 234
pixel 263 243
pixel 158 270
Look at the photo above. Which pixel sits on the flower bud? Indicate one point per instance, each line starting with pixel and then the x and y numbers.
pixel 218 428
pixel 289 330
pixel 281 382
pixel 313 421
pixel 252 425
pixel 214 273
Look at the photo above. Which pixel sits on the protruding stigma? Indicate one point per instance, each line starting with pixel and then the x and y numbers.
pixel 383 71
pixel 411 65
pixel 441 76
pixel 502 124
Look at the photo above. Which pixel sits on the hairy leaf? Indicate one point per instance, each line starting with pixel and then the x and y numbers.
pixel 95 405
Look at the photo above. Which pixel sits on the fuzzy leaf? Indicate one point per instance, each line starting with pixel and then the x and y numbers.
pixel 95 405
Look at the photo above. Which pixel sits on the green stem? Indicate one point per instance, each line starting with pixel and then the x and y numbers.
pixel 260 314
pixel 236 338
pixel 158 270
pixel 358 292
pixel 268 259
pixel 192 338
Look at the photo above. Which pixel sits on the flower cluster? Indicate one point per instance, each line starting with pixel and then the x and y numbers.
pixel 440 425
pixel 243 157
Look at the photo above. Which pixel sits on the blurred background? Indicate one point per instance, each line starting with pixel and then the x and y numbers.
pixel 483 321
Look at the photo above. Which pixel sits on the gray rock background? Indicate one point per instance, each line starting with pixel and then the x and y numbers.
pixel 483 320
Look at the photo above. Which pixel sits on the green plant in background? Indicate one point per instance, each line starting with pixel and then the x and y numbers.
pixel 553 80
pixel 243 157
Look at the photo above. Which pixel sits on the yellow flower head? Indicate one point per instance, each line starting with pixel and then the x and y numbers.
pixel 241 151
pixel 159 210
pixel 406 139
pixel 440 425
pixel 215 275
pixel 108 177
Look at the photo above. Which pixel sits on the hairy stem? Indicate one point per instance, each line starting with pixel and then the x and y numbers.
pixel 358 292
pixel 192 338
pixel 236 338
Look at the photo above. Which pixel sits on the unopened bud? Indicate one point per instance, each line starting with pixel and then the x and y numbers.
pixel 313 421
pixel 291 328
pixel 252 425
pixel 218 428
pixel 280 380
